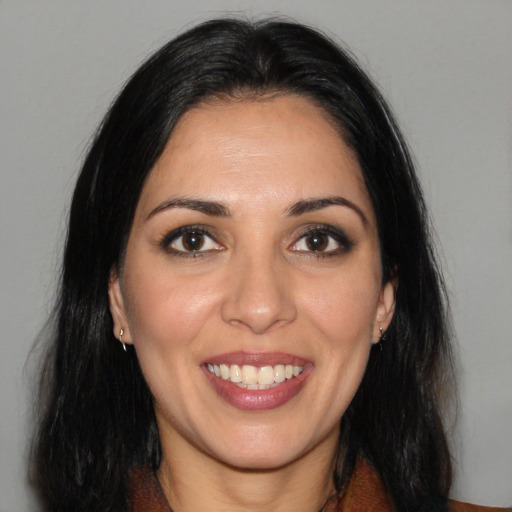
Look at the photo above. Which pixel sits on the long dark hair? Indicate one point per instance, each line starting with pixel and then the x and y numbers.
pixel 98 419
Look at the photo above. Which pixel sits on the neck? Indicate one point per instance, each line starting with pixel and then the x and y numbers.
pixel 204 483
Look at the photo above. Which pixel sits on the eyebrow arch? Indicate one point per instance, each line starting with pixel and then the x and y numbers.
pixel 211 208
pixel 312 205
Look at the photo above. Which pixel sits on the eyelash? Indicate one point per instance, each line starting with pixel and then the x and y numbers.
pixel 176 234
pixel 339 237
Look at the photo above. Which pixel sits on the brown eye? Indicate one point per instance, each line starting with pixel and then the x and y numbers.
pixel 317 242
pixel 193 241
pixel 190 240
pixel 323 240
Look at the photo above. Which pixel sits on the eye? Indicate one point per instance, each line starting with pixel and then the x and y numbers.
pixel 190 240
pixel 322 240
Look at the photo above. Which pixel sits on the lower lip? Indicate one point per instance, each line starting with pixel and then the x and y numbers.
pixel 259 399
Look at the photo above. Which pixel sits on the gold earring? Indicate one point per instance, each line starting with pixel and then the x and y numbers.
pixel 121 332
pixel 382 337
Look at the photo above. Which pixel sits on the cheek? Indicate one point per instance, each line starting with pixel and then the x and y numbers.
pixel 166 316
pixel 343 311
pixel 164 310
pixel 344 307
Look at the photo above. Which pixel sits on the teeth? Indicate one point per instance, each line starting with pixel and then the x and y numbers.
pixel 279 373
pixel 235 373
pixel 254 377
pixel 249 374
pixel 266 375
pixel 224 371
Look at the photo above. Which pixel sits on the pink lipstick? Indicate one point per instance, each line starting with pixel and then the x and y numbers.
pixel 257 380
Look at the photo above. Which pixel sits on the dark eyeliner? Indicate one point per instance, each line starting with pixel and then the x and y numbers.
pixel 345 243
pixel 169 238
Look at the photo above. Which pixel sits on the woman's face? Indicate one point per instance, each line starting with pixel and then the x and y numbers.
pixel 252 286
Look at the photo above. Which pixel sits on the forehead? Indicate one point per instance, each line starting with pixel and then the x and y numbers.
pixel 277 149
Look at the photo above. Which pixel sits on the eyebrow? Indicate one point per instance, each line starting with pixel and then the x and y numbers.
pixel 216 209
pixel 312 205
pixel 211 208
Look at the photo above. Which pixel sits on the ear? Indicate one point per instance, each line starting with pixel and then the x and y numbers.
pixel 117 308
pixel 385 310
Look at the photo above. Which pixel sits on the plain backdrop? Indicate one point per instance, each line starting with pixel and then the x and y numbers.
pixel 444 65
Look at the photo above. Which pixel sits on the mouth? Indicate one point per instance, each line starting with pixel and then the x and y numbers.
pixel 253 377
pixel 252 381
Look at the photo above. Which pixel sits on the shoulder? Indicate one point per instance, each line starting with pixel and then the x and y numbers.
pixel 145 493
pixel 366 492
pixel 458 506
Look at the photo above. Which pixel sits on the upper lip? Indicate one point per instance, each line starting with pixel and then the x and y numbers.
pixel 256 359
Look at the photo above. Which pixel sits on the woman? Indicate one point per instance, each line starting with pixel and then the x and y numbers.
pixel 249 226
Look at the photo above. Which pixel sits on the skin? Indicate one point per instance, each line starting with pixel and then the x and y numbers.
pixel 256 285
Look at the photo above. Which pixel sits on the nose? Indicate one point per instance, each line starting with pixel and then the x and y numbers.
pixel 259 294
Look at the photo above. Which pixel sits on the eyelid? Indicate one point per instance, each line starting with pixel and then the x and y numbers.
pixel 338 235
pixel 169 238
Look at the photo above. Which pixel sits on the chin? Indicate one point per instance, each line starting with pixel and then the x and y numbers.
pixel 250 461
pixel 265 450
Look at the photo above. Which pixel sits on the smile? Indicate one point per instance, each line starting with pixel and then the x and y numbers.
pixel 257 381
pixel 253 377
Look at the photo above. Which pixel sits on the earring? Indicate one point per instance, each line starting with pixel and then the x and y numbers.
pixel 121 332
pixel 382 337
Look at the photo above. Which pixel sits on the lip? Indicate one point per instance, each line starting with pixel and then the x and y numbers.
pixel 258 399
pixel 256 359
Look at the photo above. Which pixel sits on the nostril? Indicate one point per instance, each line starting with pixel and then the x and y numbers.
pixel 258 301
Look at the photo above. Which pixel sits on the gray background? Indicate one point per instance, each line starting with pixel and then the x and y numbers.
pixel 445 66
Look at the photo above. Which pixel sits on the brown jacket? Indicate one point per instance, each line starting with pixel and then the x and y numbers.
pixel 364 493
